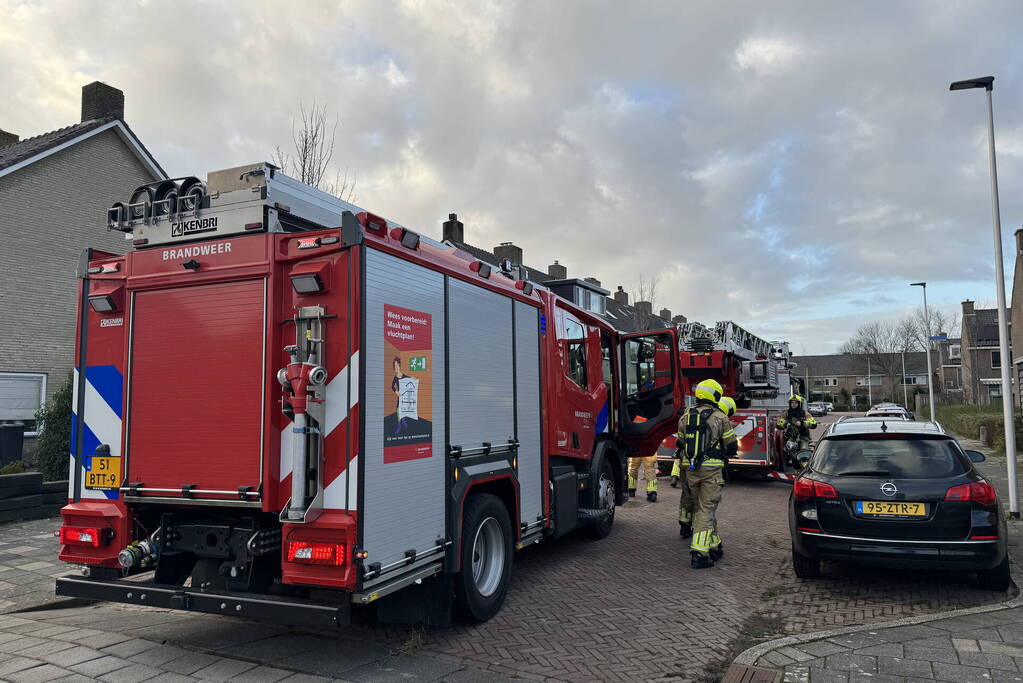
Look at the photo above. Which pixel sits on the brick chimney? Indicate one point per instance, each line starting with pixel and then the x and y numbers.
pixel 621 296
pixel 679 319
pixel 557 271
pixel 592 281
pixel 507 250
pixel 645 307
pixel 968 307
pixel 99 100
pixel 454 231
pixel 1019 242
pixel 7 138
pixel 666 314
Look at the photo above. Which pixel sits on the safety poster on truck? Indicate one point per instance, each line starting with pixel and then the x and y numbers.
pixel 408 400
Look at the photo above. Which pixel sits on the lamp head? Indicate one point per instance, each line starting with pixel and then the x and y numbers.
pixel 986 82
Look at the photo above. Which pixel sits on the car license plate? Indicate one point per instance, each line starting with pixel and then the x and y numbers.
pixel 887 508
pixel 105 473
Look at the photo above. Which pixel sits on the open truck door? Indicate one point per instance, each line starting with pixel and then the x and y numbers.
pixel 651 396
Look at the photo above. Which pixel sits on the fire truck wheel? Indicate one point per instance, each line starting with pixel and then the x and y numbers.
pixel 486 558
pixel 605 500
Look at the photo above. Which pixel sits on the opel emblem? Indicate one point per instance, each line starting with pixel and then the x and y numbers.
pixel 889 489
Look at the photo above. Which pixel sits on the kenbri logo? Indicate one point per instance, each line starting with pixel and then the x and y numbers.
pixel 197 250
pixel 183 228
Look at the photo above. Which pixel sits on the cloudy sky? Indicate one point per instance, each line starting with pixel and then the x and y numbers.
pixel 789 165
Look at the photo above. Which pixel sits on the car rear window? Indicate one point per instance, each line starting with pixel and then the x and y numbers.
pixel 895 457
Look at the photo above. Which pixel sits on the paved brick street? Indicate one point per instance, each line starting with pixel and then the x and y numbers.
pixel 625 608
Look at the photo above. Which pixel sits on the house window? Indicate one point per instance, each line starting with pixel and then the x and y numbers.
pixel 831 381
pixel 575 339
pixel 954 351
pixel 21 395
pixel 873 381
pixel 996 359
pixel 909 380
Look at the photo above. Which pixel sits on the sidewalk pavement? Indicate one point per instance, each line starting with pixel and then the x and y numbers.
pixel 133 644
pixel 981 644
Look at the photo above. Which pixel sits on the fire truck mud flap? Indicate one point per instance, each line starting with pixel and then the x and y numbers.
pixel 280 610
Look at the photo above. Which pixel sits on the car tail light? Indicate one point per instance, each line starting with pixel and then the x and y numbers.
pixel 979 492
pixel 807 489
pixel 802 489
pixel 87 536
pixel 983 538
pixel 332 554
pixel 823 490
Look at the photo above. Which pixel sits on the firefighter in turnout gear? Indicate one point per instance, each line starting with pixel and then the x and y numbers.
pixel 705 440
pixel 799 417
pixel 649 464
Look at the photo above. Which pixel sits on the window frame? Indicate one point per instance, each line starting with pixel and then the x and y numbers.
pixel 42 376
pixel 570 347
pixel 999 354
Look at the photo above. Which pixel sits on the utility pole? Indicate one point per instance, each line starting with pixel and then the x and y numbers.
pixel 870 388
pixel 905 400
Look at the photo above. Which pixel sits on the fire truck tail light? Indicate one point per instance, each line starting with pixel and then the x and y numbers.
pixel 306 552
pixel 87 536
pixel 103 303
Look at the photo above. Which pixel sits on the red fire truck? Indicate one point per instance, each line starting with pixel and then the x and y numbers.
pixel 757 374
pixel 285 406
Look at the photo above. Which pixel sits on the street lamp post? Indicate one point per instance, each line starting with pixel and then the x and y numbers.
pixel 987 83
pixel 927 324
pixel 905 398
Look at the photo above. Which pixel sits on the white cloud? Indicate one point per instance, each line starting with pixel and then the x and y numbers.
pixel 764 56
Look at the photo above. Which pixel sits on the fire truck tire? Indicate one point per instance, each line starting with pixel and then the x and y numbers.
pixel 605 499
pixel 486 558
pixel 805 567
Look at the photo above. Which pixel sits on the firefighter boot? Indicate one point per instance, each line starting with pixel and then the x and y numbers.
pixel 674 482
pixel 685 529
pixel 651 496
pixel 718 552
pixel 700 561
pixel 632 493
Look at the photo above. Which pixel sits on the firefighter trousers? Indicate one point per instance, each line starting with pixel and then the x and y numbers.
pixel 649 470
pixel 702 493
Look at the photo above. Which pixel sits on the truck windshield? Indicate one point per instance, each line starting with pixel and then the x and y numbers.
pixel 899 458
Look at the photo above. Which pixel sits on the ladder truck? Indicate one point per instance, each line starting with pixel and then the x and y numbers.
pixel 757 373
pixel 286 407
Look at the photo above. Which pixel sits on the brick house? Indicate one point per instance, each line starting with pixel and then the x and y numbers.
pixel 981 357
pixel 586 292
pixel 1016 313
pixel 55 189
pixel 950 367
pixel 831 377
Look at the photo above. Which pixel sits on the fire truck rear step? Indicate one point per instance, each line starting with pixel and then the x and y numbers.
pixel 288 610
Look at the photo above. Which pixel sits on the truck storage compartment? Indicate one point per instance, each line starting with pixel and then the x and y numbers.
pixel 197 392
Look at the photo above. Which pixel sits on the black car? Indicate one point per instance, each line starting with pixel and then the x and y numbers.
pixel 896 494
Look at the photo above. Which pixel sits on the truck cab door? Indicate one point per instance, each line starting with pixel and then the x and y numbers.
pixel 650 393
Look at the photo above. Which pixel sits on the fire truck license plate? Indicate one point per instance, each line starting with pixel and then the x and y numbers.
pixel 890 508
pixel 105 473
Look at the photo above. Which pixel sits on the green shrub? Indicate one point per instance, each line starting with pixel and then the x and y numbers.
pixel 16 467
pixel 55 436
pixel 966 421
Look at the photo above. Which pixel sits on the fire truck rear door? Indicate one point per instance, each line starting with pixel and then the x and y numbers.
pixel 650 395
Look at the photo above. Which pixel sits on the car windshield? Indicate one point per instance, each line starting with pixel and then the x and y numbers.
pixel 895 457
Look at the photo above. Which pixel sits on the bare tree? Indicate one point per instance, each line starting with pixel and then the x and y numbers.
pixel 646 290
pixel 882 343
pixel 313 139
